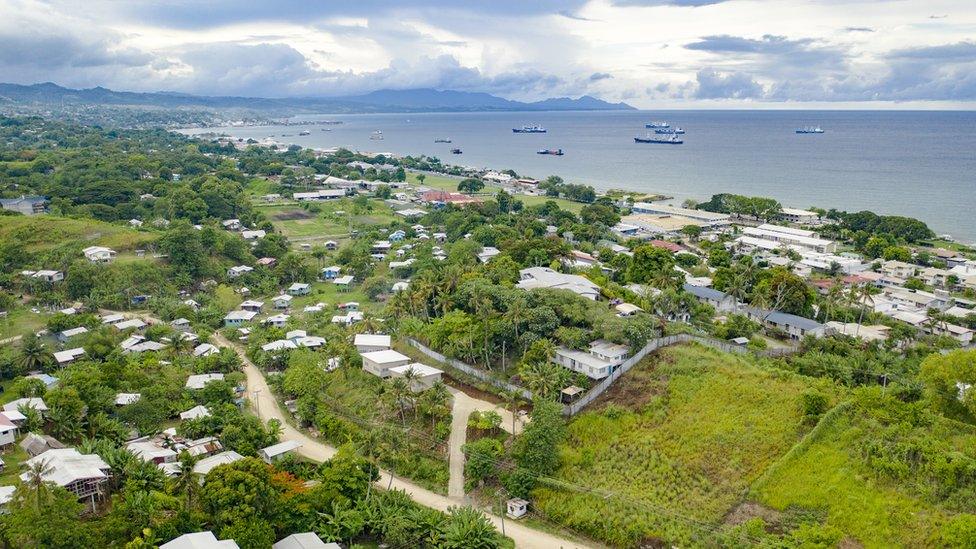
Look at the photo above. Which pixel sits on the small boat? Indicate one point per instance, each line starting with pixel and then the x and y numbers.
pixel 657 124
pixel 377 135
pixel 442 140
pixel 669 131
pixel 810 129
pixel 529 129
pixel 455 151
pixel 665 139
pixel 553 152
pixel 304 132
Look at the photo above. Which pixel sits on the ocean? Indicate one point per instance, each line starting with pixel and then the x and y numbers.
pixel 913 163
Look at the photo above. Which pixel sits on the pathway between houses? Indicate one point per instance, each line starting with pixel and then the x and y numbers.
pixel 266 407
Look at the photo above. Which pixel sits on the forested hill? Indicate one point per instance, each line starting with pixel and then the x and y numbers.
pixel 415 100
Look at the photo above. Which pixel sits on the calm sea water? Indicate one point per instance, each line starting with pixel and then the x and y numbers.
pixel 920 164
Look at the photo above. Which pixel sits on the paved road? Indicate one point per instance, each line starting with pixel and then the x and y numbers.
pixel 267 408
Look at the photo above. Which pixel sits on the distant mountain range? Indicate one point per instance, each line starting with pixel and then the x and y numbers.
pixel 414 100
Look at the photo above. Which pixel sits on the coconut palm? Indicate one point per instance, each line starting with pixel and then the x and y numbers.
pixel 186 482
pixel 399 389
pixel 34 355
pixel 437 402
pixel 515 313
pixel 544 379
pixel 38 490
pixel 864 298
pixel 512 400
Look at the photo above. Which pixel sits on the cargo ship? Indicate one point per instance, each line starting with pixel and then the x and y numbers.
pixel 377 135
pixel 553 152
pixel 810 129
pixel 442 140
pixel 529 129
pixel 657 124
pixel 304 132
pixel 456 151
pixel 666 139
pixel 670 131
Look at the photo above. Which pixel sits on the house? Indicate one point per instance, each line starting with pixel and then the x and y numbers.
pixel 99 254
pixel 379 363
pixel 198 381
pixel 48 276
pixel 232 224
pixel 874 332
pixel 367 343
pixel 237 318
pixel 283 301
pixel 205 349
pixel 381 247
pixel 305 540
pixel 253 235
pixel 131 324
pixel 321 194
pixel 424 376
pixel 898 269
pixel 180 325
pixel 279 345
pixel 487 253
pixel 331 245
pixel 48 380
pixel 68 355
pixel 935 277
pixel 81 474
pixel 278 321
pixel 36 403
pixel 330 273
pixel 26 205
pixel 275 452
pixel 627 309
pixel 251 305
pixel 720 301
pixel 801 217
pixel 8 432
pixel 411 212
pixel 35 444
pixel 441 198
pixel 703 218
pixel 136 223
pixel 299 288
pixel 151 451
pixel 796 327
pixel 544 277
pixel 195 412
pixel 124 399
pixel 268 262
pixel 580 260
pixel 343 282
pixel 112 319
pixel 397 236
pixel 400 286
pixel 349 318
pixel 601 360
pixel 64 336
pixel 239 270
pixel 207 464
pixel 199 540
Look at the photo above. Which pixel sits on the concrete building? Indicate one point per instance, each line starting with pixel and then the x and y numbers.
pixel 368 343
pixel 379 363
pixel 790 236
pixel 601 360
pixel 425 376
pixel 702 217
pixel 544 277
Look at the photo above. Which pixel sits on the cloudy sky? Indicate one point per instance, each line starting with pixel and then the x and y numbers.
pixel 649 53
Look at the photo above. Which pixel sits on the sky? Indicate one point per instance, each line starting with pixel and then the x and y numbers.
pixel 648 53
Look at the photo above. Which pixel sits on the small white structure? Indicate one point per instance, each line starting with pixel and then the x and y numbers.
pixel 367 343
pixel 205 349
pixel 49 276
pixel 278 321
pixel 277 451
pixel 343 282
pixel 305 540
pixel 424 376
pixel 351 317
pixel 200 540
pixel 544 277
pixel 253 235
pixel 516 508
pixel 379 363
pixel 124 399
pixel 195 412
pixel 99 254
pixel 68 355
pixel 198 381
pixel 232 224
pixel 151 451
pixel 207 464
pixel 237 318
pixel 283 301
pixel 29 402
pixel 487 253
pixel 239 270
pixel 279 345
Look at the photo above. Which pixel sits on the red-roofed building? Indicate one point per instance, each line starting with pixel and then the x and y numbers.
pixel 267 262
pixel 665 245
pixel 449 198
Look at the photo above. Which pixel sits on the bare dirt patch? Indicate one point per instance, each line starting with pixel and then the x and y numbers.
pixel 638 386
pixel 292 215
pixel 748 510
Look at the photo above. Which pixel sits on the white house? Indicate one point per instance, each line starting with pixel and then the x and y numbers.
pixel 28 402
pixel 48 276
pixel 425 376
pixel 238 270
pixel 232 224
pixel 299 288
pixel 99 254
pixel 237 318
pixel 68 355
pixel 199 540
pixel 601 360
pixel 205 349
pixel 252 305
pixel 305 540
pixel 544 277
pixel 253 235
pixel 367 343
pixel 82 474
pixel 487 253
pixel 195 412
pixel 278 321
pixel 379 363
pixel 198 381
pixel 277 451
pixel 151 451
pixel 207 464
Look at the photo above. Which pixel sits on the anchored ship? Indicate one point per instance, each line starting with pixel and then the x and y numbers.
pixel 554 152
pixel 669 131
pixel 377 135
pixel 455 151
pixel 666 139
pixel 529 129
pixel 810 129
pixel 657 124
pixel 442 140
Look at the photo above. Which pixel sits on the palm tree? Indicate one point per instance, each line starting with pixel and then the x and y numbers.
pixel 37 488
pixel 864 297
pixel 437 402
pixel 512 400
pixel 186 482
pixel 544 379
pixel 737 288
pixel 515 313
pixel 181 344
pixel 34 355
pixel 399 390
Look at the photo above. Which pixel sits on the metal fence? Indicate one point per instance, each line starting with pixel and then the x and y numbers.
pixel 468 369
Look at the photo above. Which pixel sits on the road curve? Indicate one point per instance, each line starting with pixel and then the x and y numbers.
pixel 266 407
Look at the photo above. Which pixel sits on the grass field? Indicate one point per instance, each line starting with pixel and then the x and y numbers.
pixel 446 183
pixel 829 474
pixel 20 321
pixel 688 431
pixel 40 233
pixel 296 222
pixel 12 458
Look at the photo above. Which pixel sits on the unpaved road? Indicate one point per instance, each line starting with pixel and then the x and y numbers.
pixel 266 407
